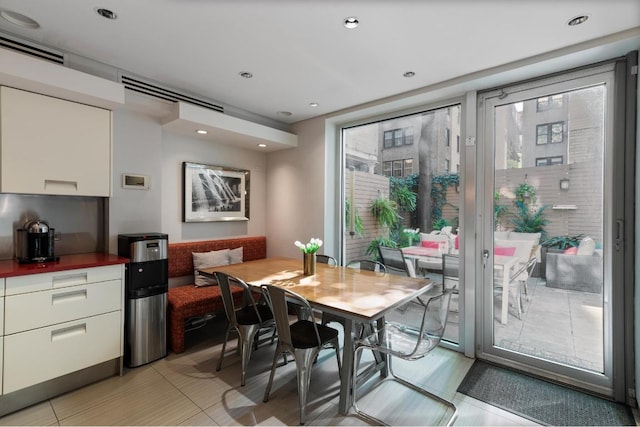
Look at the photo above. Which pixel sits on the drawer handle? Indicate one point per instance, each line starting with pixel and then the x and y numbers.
pixel 57 183
pixel 73 279
pixel 69 296
pixel 70 332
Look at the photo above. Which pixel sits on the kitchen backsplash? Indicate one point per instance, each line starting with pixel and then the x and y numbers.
pixel 79 222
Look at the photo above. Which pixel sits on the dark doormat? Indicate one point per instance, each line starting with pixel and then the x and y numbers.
pixel 541 401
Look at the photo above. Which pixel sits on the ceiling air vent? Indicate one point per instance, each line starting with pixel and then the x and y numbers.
pixel 152 89
pixel 32 50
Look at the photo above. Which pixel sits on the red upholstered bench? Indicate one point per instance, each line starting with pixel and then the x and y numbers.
pixel 188 301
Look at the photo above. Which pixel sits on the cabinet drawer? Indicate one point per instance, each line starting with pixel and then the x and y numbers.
pixel 42 354
pixel 45 308
pixel 61 279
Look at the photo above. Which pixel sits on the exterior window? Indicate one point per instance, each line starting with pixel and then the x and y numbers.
pixel 549 161
pixel 388 139
pixel 447 165
pixel 447 137
pixel 408 136
pixel 457 143
pixel 398 137
pixel 408 167
pixel 386 168
pixel 398 168
pixel 550 133
pixel 549 102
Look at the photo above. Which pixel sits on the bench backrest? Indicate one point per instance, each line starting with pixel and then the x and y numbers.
pixel 181 254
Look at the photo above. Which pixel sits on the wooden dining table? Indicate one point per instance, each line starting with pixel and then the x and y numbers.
pixel 358 296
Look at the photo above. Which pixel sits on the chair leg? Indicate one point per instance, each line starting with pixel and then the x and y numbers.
pixel 393 377
pixel 273 371
pixel 304 359
pixel 246 336
pixel 224 347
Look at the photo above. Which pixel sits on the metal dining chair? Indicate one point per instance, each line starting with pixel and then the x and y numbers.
pixel 302 339
pixel 247 320
pixel 409 333
pixel 395 262
pixel 368 265
pixel 326 259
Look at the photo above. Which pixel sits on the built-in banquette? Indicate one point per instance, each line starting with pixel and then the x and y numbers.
pixel 187 302
pixel 61 326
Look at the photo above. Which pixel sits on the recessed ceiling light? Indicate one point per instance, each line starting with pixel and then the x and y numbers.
pixel 201 131
pixel 351 22
pixel 262 145
pixel 106 13
pixel 245 74
pixel 313 104
pixel 409 74
pixel 19 19
pixel 284 113
pixel 577 20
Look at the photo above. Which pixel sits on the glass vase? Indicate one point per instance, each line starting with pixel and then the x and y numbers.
pixel 309 263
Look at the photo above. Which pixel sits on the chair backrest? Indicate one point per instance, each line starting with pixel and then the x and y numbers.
pixel 424 322
pixel 393 259
pixel 326 259
pixel 277 298
pixel 225 282
pixel 368 265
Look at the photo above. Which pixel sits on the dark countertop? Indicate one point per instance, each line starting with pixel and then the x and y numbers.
pixel 11 268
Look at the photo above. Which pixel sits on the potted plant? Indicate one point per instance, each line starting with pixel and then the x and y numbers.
pixel 385 211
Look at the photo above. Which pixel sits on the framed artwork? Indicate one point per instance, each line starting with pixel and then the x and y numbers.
pixel 214 193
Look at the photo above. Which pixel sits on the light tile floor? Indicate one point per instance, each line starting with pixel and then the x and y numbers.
pixel 185 389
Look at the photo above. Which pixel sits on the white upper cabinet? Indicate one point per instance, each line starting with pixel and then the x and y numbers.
pixel 53 146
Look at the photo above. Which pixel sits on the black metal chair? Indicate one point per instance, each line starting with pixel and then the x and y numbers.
pixel 395 262
pixel 409 333
pixel 248 321
pixel 326 259
pixel 303 339
pixel 368 265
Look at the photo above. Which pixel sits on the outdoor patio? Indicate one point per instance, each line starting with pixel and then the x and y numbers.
pixel 559 325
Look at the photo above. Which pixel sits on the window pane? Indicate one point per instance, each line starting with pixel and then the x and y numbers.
pixel 397 137
pixel 408 136
pixel 408 167
pixel 542 131
pixel 556 132
pixel 388 139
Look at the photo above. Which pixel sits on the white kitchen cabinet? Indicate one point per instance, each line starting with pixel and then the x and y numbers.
pixel 60 322
pixel 53 146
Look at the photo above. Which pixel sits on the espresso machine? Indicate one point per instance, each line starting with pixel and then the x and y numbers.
pixel 35 243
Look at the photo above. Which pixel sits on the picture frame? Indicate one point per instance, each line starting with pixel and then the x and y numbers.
pixel 214 193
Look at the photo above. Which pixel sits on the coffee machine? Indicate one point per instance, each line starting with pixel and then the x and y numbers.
pixel 35 242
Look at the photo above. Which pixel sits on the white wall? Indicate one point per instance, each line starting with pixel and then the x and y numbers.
pixel 296 194
pixel 137 149
pixel 178 149
pixel 141 146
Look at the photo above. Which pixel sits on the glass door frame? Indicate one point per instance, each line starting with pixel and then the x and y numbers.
pixel 599 383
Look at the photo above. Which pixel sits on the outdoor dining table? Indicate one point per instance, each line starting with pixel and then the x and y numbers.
pixel 358 296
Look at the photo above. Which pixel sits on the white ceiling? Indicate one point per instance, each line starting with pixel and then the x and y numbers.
pixel 298 50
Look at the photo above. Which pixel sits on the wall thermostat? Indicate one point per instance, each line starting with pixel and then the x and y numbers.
pixel 136 182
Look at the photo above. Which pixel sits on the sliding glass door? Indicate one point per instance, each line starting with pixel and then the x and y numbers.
pixel 548 239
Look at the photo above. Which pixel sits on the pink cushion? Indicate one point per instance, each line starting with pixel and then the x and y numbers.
pixel 571 251
pixel 431 245
pixel 456 242
pixel 504 250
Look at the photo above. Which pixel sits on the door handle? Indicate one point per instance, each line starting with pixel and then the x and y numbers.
pixel 485 257
pixel 619 235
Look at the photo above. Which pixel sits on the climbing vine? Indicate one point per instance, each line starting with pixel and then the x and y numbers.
pixel 439 186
